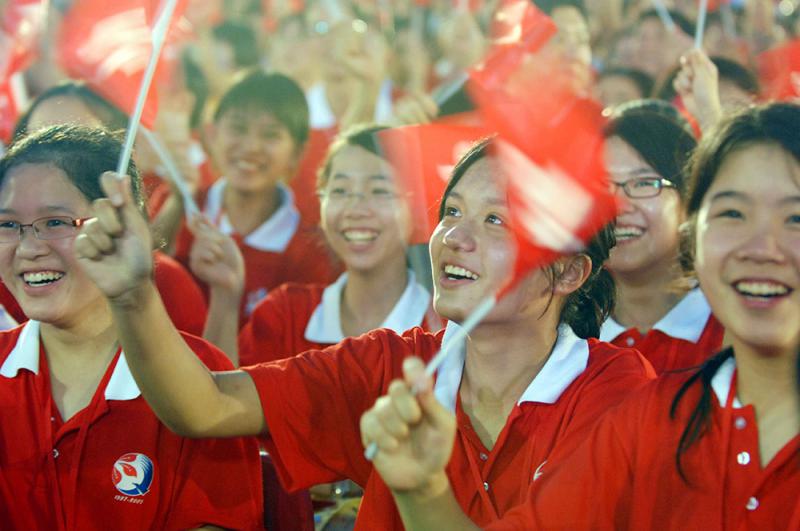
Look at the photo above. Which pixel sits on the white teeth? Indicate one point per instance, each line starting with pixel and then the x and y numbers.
pixel 761 289
pixel 455 271
pixel 359 235
pixel 246 165
pixel 627 233
pixel 42 277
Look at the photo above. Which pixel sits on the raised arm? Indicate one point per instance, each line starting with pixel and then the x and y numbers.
pixel 114 251
pixel 414 435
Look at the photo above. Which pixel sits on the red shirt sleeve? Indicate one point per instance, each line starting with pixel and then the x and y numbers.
pixel 313 403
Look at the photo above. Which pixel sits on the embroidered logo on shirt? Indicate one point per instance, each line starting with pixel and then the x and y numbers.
pixel 539 472
pixel 132 475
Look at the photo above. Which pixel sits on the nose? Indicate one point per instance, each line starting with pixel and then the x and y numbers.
pixel 459 237
pixel 29 246
pixel 762 246
pixel 625 204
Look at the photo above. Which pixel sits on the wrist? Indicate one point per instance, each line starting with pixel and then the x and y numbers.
pixel 134 299
pixel 432 489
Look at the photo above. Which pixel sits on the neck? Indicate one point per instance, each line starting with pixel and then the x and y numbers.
pixel 503 359
pixel 246 210
pixel 643 300
pixel 369 296
pixel 79 344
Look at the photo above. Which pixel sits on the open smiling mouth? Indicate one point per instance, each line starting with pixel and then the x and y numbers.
pixel 453 272
pixel 42 278
pixel 359 236
pixel 627 233
pixel 761 289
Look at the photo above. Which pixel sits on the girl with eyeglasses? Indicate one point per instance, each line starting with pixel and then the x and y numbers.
pixel 660 310
pixel 366 220
pixel 712 448
pixel 79 446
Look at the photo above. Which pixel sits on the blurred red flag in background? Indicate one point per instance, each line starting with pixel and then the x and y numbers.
pixel 423 157
pixel 108 44
pixel 21 24
pixel 549 142
pixel 779 71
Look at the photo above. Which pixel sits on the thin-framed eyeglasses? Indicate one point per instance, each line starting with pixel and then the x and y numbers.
pixel 49 228
pixel 643 187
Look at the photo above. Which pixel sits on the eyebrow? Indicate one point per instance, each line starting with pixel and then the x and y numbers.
pixel 491 201
pixel 48 209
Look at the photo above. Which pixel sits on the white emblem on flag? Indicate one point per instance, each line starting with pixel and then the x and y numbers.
pixel 119 43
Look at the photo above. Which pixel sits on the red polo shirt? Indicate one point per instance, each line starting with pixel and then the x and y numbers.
pixel 113 465
pixel 624 475
pixel 299 317
pixel 686 337
pixel 313 403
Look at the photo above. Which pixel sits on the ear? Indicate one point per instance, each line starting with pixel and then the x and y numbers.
pixel 574 271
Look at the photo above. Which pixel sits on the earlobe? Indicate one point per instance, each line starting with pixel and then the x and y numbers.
pixel 573 275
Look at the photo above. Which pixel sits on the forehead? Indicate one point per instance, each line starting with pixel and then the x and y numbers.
pixel 483 181
pixel 355 161
pixel 621 156
pixel 763 171
pixel 38 185
pixel 251 115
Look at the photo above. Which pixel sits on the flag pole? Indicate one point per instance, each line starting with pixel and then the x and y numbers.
pixel 701 24
pixel 469 324
pixel 190 207
pixel 663 14
pixel 159 36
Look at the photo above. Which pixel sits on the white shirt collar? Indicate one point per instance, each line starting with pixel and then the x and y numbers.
pixel 568 360
pixel 722 382
pixel 686 320
pixel 325 325
pixel 273 235
pixel 25 355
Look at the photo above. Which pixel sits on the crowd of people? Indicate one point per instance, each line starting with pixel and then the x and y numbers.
pixel 218 344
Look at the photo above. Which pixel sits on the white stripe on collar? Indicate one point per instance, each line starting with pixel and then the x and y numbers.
pixel 25 355
pixel 686 320
pixel 722 382
pixel 325 325
pixel 273 235
pixel 568 360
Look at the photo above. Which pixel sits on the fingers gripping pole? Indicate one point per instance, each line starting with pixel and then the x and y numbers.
pixel 159 36
pixel 477 315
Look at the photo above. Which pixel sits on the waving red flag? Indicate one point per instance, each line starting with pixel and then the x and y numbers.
pixel 779 70
pixel 20 26
pixel 549 144
pixel 423 157
pixel 108 44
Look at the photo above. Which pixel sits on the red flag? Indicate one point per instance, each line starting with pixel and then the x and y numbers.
pixel 108 44
pixel 20 27
pixel 779 70
pixel 10 107
pixel 549 145
pixel 423 157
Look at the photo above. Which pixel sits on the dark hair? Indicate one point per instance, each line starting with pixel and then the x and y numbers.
pixel 643 81
pixel 589 306
pixel 109 115
pixel 777 124
pixel 275 94
pixel 242 40
pixel 658 133
pixel 548 6
pixel 727 69
pixel 364 136
pixel 680 20
pixel 82 153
